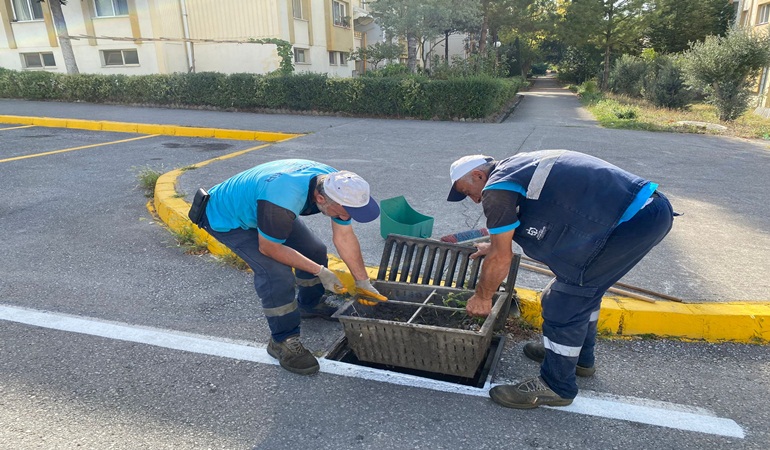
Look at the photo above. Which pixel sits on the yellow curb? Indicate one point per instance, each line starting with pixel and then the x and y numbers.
pixel 164 129
pixel 745 322
pixel 194 132
pixel 86 125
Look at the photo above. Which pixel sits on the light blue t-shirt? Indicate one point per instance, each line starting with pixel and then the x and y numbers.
pixel 285 183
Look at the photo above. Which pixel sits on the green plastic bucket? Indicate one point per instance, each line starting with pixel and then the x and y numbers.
pixel 398 217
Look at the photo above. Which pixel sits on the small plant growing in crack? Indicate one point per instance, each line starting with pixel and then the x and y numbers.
pixel 147 178
pixel 233 260
pixel 186 239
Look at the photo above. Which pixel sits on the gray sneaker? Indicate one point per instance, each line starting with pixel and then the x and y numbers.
pixel 527 395
pixel 293 356
pixel 536 352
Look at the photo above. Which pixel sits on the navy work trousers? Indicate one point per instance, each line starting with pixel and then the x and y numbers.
pixel 275 282
pixel 570 312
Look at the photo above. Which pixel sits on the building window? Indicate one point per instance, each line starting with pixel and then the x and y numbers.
pixel 300 55
pixel 764 14
pixel 27 10
pixel 120 58
pixel 297 8
pixel 342 59
pixel 111 8
pixel 340 14
pixel 37 60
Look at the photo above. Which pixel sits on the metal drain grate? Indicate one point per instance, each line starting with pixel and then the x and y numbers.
pixel 429 262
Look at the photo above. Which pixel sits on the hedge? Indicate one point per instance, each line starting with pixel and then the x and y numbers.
pixel 472 97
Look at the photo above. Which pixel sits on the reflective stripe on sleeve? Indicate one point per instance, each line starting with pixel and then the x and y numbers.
pixel 594 316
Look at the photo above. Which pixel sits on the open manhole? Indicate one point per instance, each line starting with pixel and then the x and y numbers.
pixel 342 352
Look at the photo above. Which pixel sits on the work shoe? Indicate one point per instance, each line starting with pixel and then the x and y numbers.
pixel 293 356
pixel 321 310
pixel 536 352
pixel 527 395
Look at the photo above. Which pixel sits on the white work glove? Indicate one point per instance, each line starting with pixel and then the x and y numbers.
pixel 365 290
pixel 330 281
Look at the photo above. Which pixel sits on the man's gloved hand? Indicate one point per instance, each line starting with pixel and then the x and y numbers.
pixel 330 281
pixel 364 289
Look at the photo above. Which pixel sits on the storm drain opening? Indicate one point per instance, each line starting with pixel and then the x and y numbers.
pixel 342 352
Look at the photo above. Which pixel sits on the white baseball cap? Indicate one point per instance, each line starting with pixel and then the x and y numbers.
pixel 460 168
pixel 352 192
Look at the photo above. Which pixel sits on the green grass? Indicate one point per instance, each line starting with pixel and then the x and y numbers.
pixel 147 178
pixel 233 260
pixel 185 238
pixel 614 111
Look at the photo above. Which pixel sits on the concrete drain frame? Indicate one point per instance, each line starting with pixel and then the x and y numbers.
pixel 341 352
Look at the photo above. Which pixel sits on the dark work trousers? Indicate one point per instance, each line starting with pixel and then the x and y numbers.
pixel 571 312
pixel 274 282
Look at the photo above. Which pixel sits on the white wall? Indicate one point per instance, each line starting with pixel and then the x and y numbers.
pixel 236 58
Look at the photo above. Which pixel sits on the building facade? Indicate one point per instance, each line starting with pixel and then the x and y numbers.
pixel 756 14
pixel 168 36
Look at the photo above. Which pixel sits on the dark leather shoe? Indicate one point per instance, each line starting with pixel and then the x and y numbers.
pixel 527 395
pixel 536 352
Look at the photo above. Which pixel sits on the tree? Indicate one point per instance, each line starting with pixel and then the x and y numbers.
pixel 64 38
pixel 523 25
pixel 725 68
pixel 610 25
pixel 418 20
pixel 447 18
pixel 675 23
pixel 376 53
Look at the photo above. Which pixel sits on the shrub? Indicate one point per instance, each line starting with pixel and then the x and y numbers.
pixel 412 96
pixel 626 112
pixel 390 70
pixel 627 76
pixel 724 67
pixel 665 85
pixel 578 65
pixel 539 69
pixel 589 91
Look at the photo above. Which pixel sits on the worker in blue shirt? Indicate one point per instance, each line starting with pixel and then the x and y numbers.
pixel 589 221
pixel 256 214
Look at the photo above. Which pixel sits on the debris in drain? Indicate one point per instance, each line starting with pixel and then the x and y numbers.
pixel 413 313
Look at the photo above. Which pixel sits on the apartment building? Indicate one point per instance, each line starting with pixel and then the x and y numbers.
pixel 167 36
pixel 756 14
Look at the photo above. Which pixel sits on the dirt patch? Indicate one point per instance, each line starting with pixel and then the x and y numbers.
pixel 518 330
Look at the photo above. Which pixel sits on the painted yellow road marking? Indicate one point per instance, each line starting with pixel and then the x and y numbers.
pixel 82 147
pixel 16 128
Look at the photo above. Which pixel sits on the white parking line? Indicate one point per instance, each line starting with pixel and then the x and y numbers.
pixel 651 412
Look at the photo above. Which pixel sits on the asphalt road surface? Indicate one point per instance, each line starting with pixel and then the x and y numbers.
pixel 112 337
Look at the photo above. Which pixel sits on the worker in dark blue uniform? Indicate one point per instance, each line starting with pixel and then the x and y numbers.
pixel 256 214
pixel 589 221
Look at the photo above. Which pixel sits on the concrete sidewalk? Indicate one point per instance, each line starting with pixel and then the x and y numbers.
pixel 715 259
